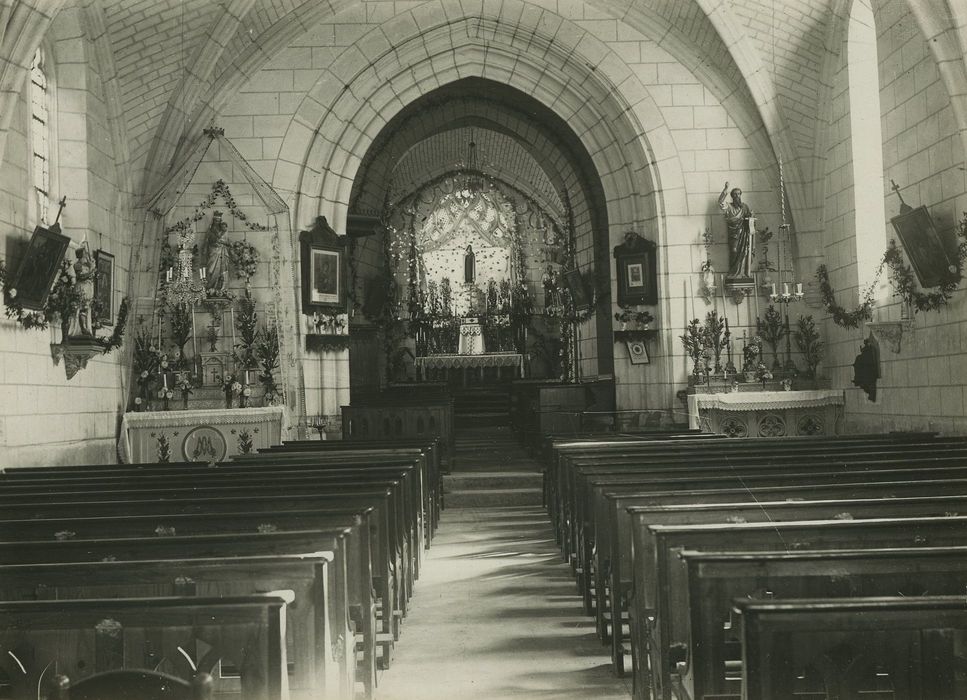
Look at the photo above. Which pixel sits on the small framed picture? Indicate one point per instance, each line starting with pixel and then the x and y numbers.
pixel 104 288
pixel 637 352
pixel 323 265
pixel 636 276
pixel 39 265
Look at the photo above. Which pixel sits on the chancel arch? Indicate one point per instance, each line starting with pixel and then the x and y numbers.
pixel 621 129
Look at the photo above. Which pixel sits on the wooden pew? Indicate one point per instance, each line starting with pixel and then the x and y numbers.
pixel 710 666
pixel 431 451
pixel 91 636
pixel 271 497
pixel 909 648
pixel 132 684
pixel 352 470
pixel 662 581
pixel 204 547
pixel 725 454
pixel 321 648
pixel 601 534
pixel 606 551
pixel 772 512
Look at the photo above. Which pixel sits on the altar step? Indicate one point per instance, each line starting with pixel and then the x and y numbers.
pixel 481 406
pixel 492 470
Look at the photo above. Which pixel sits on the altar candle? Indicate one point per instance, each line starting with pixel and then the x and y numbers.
pixel 725 308
pixel 164 379
pixel 691 295
pixel 785 289
pixel 168 275
pixel 755 298
pixel 685 301
pixel 798 288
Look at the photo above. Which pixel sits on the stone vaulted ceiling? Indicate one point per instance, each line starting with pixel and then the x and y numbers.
pixel 777 45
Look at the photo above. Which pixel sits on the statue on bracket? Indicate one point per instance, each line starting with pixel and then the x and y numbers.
pixel 216 255
pixel 741 229
pixel 84 273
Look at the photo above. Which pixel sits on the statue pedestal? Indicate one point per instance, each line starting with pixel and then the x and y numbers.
pixel 740 287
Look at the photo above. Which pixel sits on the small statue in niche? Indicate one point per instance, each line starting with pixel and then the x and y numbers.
pixel 469 266
pixel 866 367
pixel 216 255
pixel 84 276
pixel 741 226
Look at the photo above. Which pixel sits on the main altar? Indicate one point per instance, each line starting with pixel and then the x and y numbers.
pixel 767 413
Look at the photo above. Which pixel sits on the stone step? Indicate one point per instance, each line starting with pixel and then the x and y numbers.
pixel 482 498
pixel 491 480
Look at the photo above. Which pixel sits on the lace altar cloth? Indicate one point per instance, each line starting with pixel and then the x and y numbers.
pixel 761 401
pixel 200 435
pixel 489 359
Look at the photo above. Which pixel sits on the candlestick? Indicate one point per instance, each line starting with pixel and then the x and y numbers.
pixel 785 289
pixel 194 336
pixel 798 289
pixel 773 289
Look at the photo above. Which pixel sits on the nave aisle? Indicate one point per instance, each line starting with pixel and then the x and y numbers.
pixel 496 615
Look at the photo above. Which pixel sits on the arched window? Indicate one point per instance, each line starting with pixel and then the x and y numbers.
pixel 867 141
pixel 40 134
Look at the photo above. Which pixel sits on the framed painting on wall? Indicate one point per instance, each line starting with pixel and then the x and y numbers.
pixel 324 267
pixel 104 288
pixel 637 268
pixel 578 288
pixel 924 247
pixel 39 265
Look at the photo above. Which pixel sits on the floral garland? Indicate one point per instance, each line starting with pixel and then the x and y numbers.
pixel 244 258
pixel 221 191
pixel 841 316
pixel 903 281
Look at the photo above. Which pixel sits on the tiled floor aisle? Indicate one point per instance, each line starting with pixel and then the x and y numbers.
pixel 496 615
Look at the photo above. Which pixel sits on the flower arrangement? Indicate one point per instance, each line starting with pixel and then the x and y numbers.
pixel 180 323
pixel 267 352
pixel 772 330
pixel 232 388
pixel 244 258
pixel 787 384
pixel 165 395
pixel 694 342
pixel 809 344
pixel 638 318
pixel 246 321
pixel 751 353
pixel 763 374
pixel 185 384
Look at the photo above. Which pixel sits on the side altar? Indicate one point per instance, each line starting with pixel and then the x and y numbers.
pixel 199 435
pixel 767 413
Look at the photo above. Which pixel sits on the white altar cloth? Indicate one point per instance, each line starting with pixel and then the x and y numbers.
pixel 200 435
pixel 761 401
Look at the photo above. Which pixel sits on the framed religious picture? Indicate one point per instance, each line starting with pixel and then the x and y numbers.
pixel 103 304
pixel 578 288
pixel 637 271
pixel 637 352
pixel 39 265
pixel 324 269
pixel 924 247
